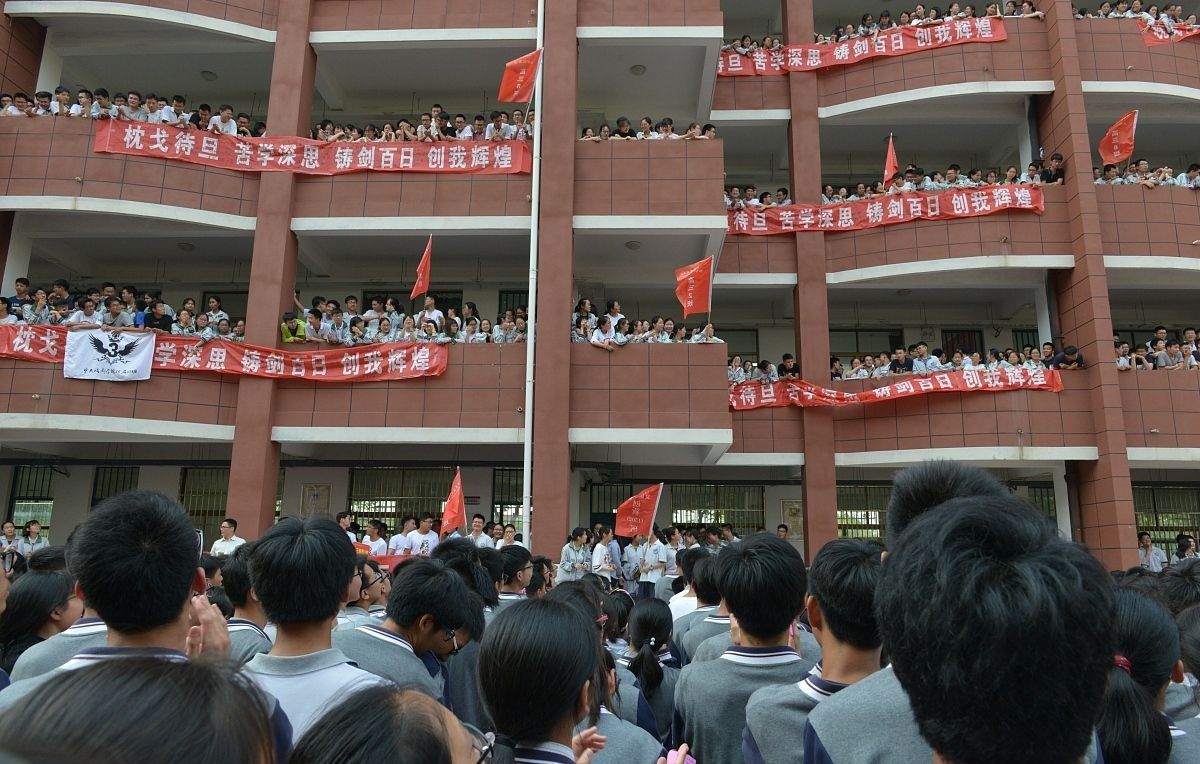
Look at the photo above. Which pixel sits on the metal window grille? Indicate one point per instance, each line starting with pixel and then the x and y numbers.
pixel 393 493
pixel 506 496
pixel 739 505
pixel 32 495
pixel 204 492
pixel 111 481
pixel 1023 337
pixel 862 510
pixel 511 299
pixel 603 500
pixel 1166 510
pixel 967 340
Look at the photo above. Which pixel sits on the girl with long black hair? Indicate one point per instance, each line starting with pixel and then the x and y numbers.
pixel 650 660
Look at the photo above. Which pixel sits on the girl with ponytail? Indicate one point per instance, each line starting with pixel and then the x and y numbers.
pixel 649 636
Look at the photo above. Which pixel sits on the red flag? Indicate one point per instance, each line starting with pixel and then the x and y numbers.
pixel 519 78
pixel 890 165
pixel 693 286
pixel 422 285
pixel 1117 143
pixel 454 515
pixel 635 516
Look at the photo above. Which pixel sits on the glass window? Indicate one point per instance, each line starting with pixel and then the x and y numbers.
pixel 848 343
pixel 110 481
pixel 862 509
pixel 1023 337
pixel 506 496
pixel 32 496
pixel 511 299
pixel 1164 510
pixel 393 493
pixel 739 505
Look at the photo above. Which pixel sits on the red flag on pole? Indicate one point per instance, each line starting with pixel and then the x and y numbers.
pixel 635 516
pixel 890 165
pixel 519 77
pixel 454 515
pixel 693 286
pixel 422 284
pixel 1117 143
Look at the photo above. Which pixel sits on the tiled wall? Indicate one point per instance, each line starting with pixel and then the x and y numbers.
pixel 650 178
pixel 484 386
pixel 766 431
pixel 1113 51
pixel 661 386
pixel 751 93
pixel 653 13
pixel 422 14
pixel 1023 56
pixel 758 254
pixel 28 387
pixel 1002 233
pixel 393 194
pixel 1149 221
pixel 20 53
pixel 1167 401
pixel 53 157
pixel 257 13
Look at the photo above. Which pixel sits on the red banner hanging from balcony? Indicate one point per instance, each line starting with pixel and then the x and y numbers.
pixel 755 395
pixel 1157 34
pixel 309 157
pixel 894 42
pixel 887 210
pixel 364 363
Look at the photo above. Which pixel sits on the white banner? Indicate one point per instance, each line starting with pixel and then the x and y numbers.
pixel 108 356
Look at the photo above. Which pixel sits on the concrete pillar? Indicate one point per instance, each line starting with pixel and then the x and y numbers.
pixel 72 499
pixel 1041 305
pixel 1062 502
pixel 51 69
pixel 17 253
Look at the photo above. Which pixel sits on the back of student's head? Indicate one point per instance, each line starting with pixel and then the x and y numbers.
pixel 516 558
pixel 534 662
pixel 1138 579
pixel 1189 639
pixel 1147 648
pixel 763 581
pixel 468 561
pixel 924 486
pixel 843 579
pixel 235 575
pixel 617 606
pixel 649 630
pixel 135 558
pixel 210 564
pixel 1179 587
pixel 301 569
pixel 214 715
pixel 980 602
pixel 705 581
pixel 382 723
pixel 687 560
pixel 48 558
pixel 429 587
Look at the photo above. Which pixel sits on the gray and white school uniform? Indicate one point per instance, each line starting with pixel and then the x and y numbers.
pixel 246 640
pixel 712 648
pixel 18 692
pixel 462 685
pixel 1181 698
pixel 687 620
pixel 710 626
pixel 388 655
pixel 870 722
pixel 663 587
pixel 49 654
pixel 776 717
pixel 624 743
pixel 662 700
pixel 355 617
pixel 632 560
pixel 570 558
pixel 507 599
pixel 633 707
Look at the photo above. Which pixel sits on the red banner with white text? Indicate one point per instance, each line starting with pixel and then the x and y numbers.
pixel 309 157
pixel 366 363
pixel 1157 34
pixel 888 210
pixel 797 392
pixel 894 42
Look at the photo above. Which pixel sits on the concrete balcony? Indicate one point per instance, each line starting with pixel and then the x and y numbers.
pixel 1162 409
pixel 254 13
pixel 1112 51
pixel 346 15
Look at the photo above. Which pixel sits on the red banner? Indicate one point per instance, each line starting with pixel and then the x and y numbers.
pixel 1157 34
pixel 1117 143
pixel 454 514
pixel 635 516
pixel 797 392
pixel 888 210
pixel 894 42
pixel 520 76
pixel 693 287
pixel 421 285
pixel 366 363
pixel 309 157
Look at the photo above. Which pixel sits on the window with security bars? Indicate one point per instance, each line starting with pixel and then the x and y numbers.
pixel 967 340
pixel 1040 495
pixel 393 493
pixel 506 496
pixel 1166 510
pixel 851 343
pixel 32 496
pixel 739 505
pixel 511 299
pixel 1023 337
pixel 111 481
pixel 204 493
pixel 603 500
pixel 862 510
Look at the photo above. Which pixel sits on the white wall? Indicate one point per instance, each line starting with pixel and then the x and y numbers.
pixel 774 341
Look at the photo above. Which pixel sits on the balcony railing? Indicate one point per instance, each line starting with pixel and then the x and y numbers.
pixel 255 13
pixel 649 178
pixel 338 15
pixel 1162 409
pixel 622 13
pixel 1162 222
pixel 1113 51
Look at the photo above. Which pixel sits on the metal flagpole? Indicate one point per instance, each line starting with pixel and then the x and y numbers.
pixel 531 315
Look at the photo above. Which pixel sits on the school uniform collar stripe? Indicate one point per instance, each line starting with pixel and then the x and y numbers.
pixel 817 688
pixel 386 636
pixel 241 624
pixel 760 656
pixel 511 596
pixel 717 619
pixel 543 753
pixel 94 655
pixel 89 625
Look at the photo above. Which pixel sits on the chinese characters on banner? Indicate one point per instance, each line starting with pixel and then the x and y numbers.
pixel 693 286
pixel 368 363
pixel 887 210
pixel 1157 34
pixel 895 42
pixel 635 516
pixel 309 157
pixel 755 395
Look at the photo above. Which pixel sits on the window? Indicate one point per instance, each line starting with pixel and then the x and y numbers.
pixel 233 303
pixel 741 342
pixel 862 509
pixel 848 343
pixel 32 496
pixel 967 340
pixel 739 505
pixel 1137 337
pixel 204 493
pixel 506 496
pixel 1166 510
pixel 511 299
pixel 603 500
pixel 393 493
pixel 1040 495
pixel 110 481
pixel 445 299
pixel 1023 337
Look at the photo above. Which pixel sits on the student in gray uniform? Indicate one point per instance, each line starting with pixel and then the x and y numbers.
pixel 1183 696
pixel 840 607
pixel 703 579
pixel 716 622
pixel 517 570
pixel 1000 632
pixel 649 659
pixel 370 583
pixel 430 610
pixel 624 743
pixel 246 636
pixel 480 569
pixel 763 581
pixel 713 647
pixel 88 632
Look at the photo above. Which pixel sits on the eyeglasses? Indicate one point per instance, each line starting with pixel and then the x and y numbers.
pixel 376 580
pixel 10 559
pixel 482 743
pixel 450 637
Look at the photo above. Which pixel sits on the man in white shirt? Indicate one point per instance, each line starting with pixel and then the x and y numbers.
pixel 654 564
pixel 229 541
pixel 614 312
pixel 1150 557
pixel 87 315
pixel 375 537
pixel 431 313
pixel 343 521
pixel 1189 179
pixel 477 536
pixel 338 331
pixel 223 122
pixel 603 564
pixel 423 540
pixel 427 131
pixel 132 110
pixel 153 109
pixel 462 128
pixel 497 130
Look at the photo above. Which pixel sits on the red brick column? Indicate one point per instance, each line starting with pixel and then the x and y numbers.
pixel 1085 319
pixel 254 467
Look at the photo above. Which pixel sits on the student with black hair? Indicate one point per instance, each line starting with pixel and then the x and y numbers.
pixel 541 578
pixel 135 565
pixel 992 622
pixel 517 570
pixel 840 608
pixel 87 632
pixel 40 604
pixel 715 622
pixel 684 601
pixel 576 558
pixel 480 569
pixel 247 637
pixel 649 659
pixel 370 585
pixel 673 540
pixel 1132 725
pixel 702 574
pixel 212 569
pixel 763 580
pixel 617 606
pixel 624 742
pixel 1179 587
pixel 390 724
pixel 303 572
pixel 430 610
pixel 217 596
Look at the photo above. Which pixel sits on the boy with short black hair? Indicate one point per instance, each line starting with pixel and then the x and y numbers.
pixel 246 636
pixel 711 616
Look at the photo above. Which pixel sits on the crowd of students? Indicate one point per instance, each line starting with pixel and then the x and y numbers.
pixel 611 330
pixel 980 635
pixel 1170 15
pixel 1161 351
pixel 1139 173
pixel 648 130
pixel 434 126
pixel 922 15
pixel 333 323
pixel 131 106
